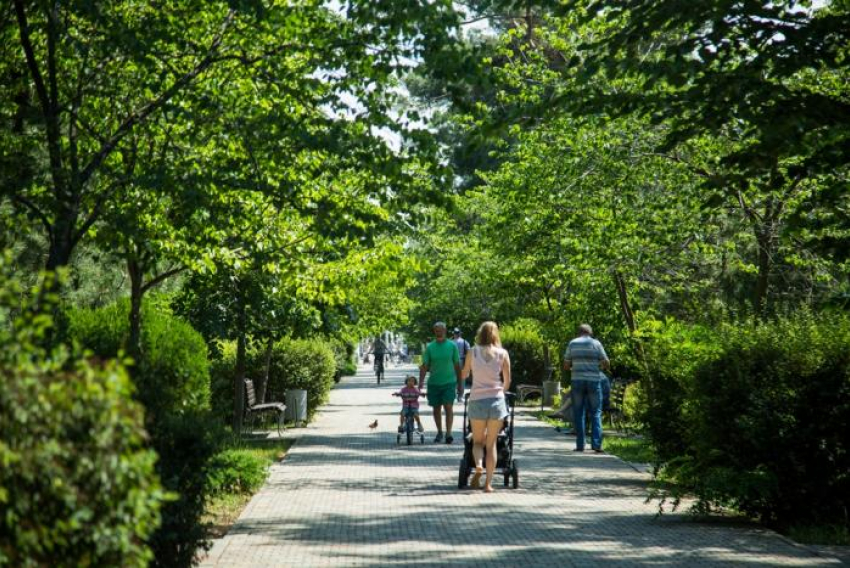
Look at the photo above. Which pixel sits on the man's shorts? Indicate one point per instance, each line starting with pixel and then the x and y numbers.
pixel 442 395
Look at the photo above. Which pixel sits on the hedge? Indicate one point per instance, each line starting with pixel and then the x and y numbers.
pixel 77 482
pixel 761 418
pixel 308 364
pixel 524 343
pixel 172 381
pixel 173 375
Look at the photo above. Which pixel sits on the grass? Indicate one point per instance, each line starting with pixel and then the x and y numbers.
pixel 631 448
pixel 830 535
pixel 222 510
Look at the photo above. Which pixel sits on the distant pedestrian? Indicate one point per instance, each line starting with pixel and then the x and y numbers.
pixel 584 358
pixel 462 350
pixel 441 362
pixel 490 366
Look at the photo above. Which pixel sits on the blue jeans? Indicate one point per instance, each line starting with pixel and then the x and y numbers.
pixel 587 397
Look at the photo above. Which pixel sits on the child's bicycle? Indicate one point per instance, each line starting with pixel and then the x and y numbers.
pixel 409 429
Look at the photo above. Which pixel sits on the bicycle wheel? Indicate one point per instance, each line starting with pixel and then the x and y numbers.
pixel 409 433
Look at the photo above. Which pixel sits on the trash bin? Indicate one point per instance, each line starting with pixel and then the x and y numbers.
pixel 296 406
pixel 550 389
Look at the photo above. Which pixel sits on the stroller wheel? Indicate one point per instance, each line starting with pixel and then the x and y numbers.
pixel 398 439
pixel 463 475
pixel 421 439
pixel 514 475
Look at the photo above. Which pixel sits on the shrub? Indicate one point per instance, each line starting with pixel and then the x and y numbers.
pixel 344 357
pixel 236 471
pixel 672 352
pixel 767 421
pixel 172 381
pixel 634 403
pixel 173 375
pixel 525 345
pixel 77 484
pixel 307 364
pixel 185 443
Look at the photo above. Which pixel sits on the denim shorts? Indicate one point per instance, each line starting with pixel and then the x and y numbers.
pixel 487 409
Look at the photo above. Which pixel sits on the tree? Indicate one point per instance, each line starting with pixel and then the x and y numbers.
pixel 88 77
pixel 764 77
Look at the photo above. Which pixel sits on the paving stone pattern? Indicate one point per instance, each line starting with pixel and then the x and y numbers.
pixel 349 496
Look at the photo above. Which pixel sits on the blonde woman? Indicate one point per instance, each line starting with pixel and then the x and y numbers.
pixel 490 366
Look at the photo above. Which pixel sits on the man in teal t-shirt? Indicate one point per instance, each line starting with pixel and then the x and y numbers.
pixel 442 360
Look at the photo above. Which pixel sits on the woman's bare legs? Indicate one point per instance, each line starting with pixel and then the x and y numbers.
pixel 493 428
pixel 478 440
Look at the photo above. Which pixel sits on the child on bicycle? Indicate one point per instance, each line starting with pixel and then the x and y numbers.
pixel 409 394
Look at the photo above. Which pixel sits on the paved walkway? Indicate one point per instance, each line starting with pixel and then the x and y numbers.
pixel 348 496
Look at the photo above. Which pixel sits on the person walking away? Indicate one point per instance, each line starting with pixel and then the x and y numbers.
pixel 441 362
pixel 462 350
pixel 490 366
pixel 584 358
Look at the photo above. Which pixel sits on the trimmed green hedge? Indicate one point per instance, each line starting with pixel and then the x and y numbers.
pixel 173 375
pixel 236 471
pixel 77 485
pixel 524 343
pixel 308 364
pixel 172 381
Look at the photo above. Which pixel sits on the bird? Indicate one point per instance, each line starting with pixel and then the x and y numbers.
pixel 374 424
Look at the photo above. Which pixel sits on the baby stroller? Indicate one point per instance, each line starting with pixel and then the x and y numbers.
pixel 505 461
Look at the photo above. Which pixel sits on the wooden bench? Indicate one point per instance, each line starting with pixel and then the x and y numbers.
pixel 614 411
pixel 522 391
pixel 252 409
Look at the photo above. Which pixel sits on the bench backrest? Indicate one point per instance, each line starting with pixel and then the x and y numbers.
pixel 250 394
pixel 618 393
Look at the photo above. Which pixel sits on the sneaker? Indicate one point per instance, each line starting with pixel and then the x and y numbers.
pixel 599 450
pixel 578 450
pixel 449 439
pixel 438 438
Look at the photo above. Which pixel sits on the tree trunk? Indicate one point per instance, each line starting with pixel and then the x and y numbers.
pixel 134 339
pixel 263 382
pixel 625 306
pixel 241 353
pixel 766 239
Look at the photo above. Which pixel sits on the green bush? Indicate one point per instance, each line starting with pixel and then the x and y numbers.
pixel 306 364
pixel 77 483
pixel 634 403
pixel 185 442
pixel 236 471
pixel 672 351
pixel 767 422
pixel 525 346
pixel 344 357
pixel 173 375
pixel 172 381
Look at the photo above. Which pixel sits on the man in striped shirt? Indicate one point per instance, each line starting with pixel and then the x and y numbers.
pixel 584 358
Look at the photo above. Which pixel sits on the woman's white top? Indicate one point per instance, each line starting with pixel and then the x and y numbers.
pixel 486 372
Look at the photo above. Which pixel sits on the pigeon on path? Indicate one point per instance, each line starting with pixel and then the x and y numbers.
pixel 373 425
